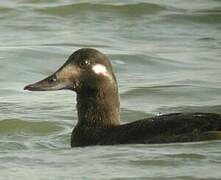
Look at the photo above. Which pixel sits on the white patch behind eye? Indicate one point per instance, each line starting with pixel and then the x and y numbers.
pixel 99 69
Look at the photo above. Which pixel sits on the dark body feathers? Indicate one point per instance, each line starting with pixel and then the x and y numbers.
pixel 169 128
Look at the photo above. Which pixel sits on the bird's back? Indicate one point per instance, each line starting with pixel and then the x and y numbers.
pixel 169 128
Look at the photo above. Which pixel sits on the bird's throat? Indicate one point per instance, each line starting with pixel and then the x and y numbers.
pixel 99 107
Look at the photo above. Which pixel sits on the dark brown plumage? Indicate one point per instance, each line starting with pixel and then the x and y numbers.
pixel 167 128
pixel 89 73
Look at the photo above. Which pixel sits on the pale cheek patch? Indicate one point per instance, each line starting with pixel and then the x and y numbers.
pixel 99 69
pixel 67 72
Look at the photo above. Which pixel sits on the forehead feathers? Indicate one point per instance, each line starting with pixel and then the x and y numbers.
pixel 99 63
pixel 88 54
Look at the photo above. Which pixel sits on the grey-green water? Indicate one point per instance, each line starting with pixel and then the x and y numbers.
pixel 166 54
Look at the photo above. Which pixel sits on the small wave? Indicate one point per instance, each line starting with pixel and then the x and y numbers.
pixel 5 9
pixel 74 45
pixel 192 156
pixel 216 10
pixel 139 8
pixel 206 39
pixel 154 162
pixel 196 17
pixel 145 90
pixel 153 62
pixel 11 126
pixel 209 109
pixel 128 115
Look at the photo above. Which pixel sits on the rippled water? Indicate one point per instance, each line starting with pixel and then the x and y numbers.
pixel 166 54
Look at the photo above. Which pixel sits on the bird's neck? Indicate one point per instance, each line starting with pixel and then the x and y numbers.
pixel 99 107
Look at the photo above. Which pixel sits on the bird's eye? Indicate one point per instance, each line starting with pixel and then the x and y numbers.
pixel 84 63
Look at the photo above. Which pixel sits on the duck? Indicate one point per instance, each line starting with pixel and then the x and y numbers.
pixel 89 73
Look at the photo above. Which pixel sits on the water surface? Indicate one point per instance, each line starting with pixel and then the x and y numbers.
pixel 166 55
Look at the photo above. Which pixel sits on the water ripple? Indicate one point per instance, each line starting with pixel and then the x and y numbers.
pixel 132 9
pixel 11 126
